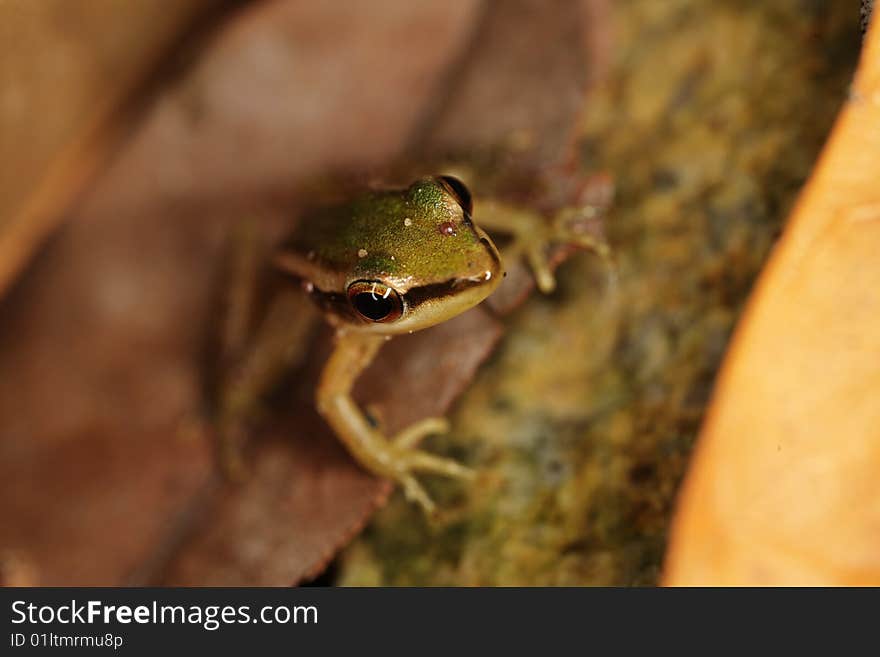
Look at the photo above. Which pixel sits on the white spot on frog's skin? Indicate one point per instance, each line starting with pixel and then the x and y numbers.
pixel 407 221
pixel 310 255
pixel 485 276
pixel 308 286
pixel 362 253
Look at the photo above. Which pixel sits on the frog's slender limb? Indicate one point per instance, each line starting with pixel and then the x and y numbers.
pixel 395 457
pixel 241 290
pixel 254 358
pixel 533 234
pixel 234 337
pixel 278 348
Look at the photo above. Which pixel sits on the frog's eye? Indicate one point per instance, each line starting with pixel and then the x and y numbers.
pixel 461 193
pixel 375 301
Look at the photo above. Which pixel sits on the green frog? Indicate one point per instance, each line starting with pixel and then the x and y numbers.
pixel 393 261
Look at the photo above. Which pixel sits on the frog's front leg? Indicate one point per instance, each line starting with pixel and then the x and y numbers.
pixel 394 458
pixel 533 233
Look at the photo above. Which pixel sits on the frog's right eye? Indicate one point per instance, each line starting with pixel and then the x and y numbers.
pixel 374 301
pixel 460 192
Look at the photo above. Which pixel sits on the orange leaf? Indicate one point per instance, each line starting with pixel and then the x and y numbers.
pixel 784 486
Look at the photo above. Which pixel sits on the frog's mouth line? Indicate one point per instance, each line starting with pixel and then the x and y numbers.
pixel 416 296
pixel 338 303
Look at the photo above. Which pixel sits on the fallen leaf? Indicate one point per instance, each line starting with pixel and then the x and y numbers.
pixel 783 487
pixel 100 63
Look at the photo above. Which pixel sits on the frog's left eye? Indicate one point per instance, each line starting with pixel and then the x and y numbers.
pixel 375 301
pixel 461 193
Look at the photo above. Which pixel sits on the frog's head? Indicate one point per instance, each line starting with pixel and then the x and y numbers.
pixel 398 261
pixel 447 263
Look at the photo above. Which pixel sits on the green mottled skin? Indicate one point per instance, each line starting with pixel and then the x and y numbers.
pixel 409 255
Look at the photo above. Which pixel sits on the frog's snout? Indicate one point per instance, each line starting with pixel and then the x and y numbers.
pixel 493 269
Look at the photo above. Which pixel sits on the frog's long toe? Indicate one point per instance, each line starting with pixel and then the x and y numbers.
pixel 415 433
pixel 414 492
pixel 536 256
pixel 438 465
pixel 407 458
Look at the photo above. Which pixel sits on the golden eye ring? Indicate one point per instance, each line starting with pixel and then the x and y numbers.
pixel 374 301
pixel 460 193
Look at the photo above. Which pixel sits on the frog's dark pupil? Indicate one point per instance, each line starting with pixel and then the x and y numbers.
pixel 373 306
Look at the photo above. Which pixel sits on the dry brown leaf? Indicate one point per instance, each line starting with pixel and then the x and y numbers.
pixel 74 79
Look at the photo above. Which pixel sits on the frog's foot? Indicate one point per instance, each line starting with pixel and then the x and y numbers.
pixel 535 253
pixel 402 460
pixel 577 226
pixel 534 241
pixel 534 234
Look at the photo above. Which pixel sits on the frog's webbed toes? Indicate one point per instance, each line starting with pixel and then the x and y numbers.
pixel 574 227
pixel 577 226
pixel 409 461
pixel 535 241
pixel 404 460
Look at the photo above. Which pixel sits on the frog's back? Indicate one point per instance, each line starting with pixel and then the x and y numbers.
pixel 412 236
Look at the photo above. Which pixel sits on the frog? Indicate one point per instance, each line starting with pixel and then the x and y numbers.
pixel 391 261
